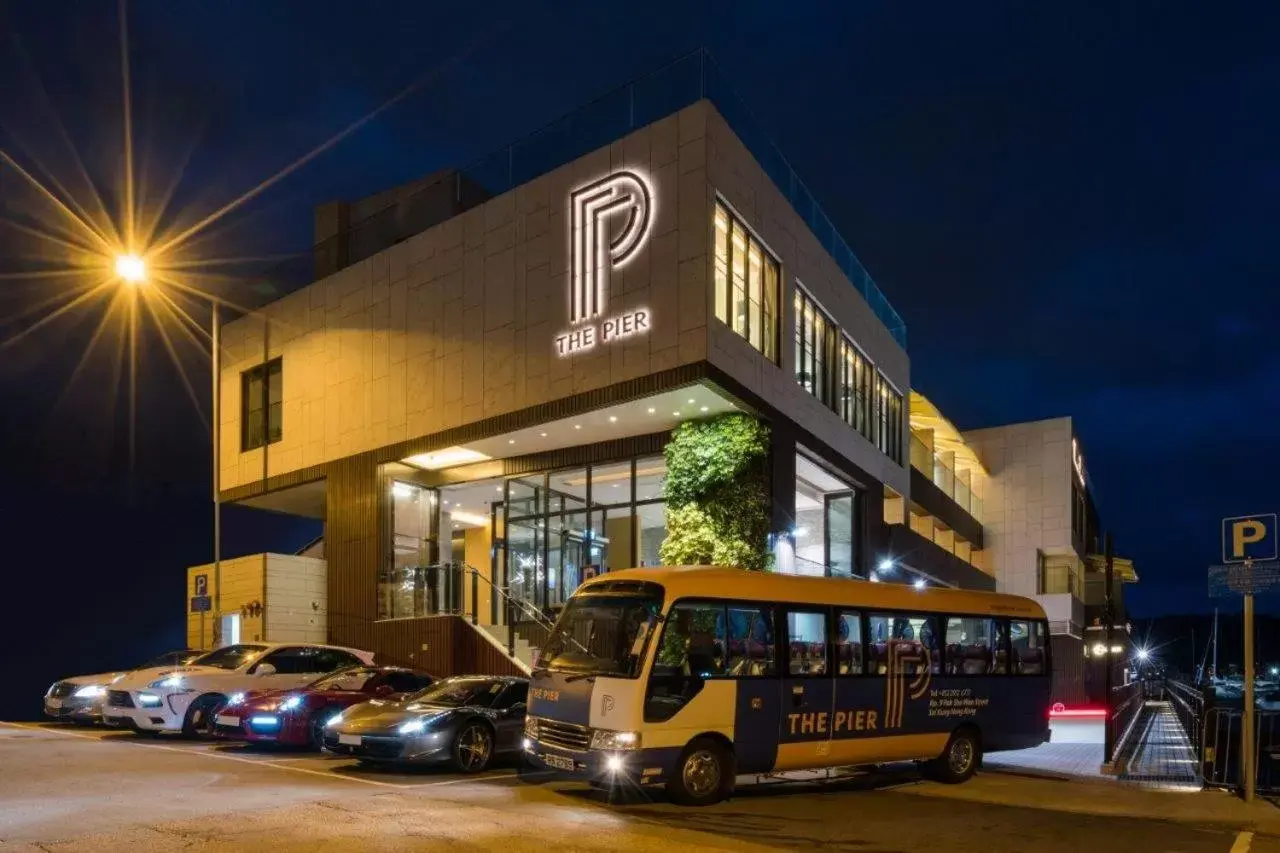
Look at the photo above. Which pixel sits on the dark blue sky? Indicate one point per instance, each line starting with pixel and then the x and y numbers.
pixel 1073 206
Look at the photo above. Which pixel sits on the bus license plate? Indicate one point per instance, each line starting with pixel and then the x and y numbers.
pixel 559 762
pixel 349 740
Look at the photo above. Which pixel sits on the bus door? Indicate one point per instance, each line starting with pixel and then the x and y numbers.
pixel 752 662
pixel 808 691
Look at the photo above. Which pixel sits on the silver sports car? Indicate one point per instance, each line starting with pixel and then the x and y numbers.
pixel 464 721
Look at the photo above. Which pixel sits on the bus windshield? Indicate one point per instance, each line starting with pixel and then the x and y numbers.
pixel 602 634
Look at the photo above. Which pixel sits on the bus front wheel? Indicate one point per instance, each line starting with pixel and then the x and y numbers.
pixel 703 775
pixel 959 760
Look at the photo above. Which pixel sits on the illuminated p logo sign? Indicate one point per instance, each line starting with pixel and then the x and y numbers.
pixel 1249 537
pixel 609 220
pixel 606 705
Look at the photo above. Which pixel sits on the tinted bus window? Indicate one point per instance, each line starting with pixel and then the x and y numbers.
pixel 902 643
pixel 849 642
pixel 692 649
pixel 807 642
pixel 970 645
pixel 1029 643
pixel 750 650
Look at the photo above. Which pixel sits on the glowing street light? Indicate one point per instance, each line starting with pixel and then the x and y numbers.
pixel 131 268
pixel 1143 654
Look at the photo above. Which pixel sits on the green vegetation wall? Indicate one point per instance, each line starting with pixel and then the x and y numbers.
pixel 717 494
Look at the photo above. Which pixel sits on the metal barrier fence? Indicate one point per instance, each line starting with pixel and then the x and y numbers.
pixel 1189 703
pixel 1125 708
pixel 1222 742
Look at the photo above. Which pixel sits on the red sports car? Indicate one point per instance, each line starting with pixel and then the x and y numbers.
pixel 298 716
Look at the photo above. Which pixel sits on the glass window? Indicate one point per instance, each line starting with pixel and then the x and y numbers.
pixel 651 478
pixel 405 586
pixel 840 535
pixel 902 643
pixel 350 679
pixel 823 363
pixel 971 643
pixel 722 264
pixel 230 657
pixel 568 490
pixel 516 693
pixel 652 521
pixel 261 405
pixel 849 642
pixel 465 691
pixel 602 634
pixel 746 284
pixel 692 649
pixel 407 682
pixel 611 484
pixel 1030 641
pixel 328 660
pixel 807 642
pixel 750 650
pixel 294 660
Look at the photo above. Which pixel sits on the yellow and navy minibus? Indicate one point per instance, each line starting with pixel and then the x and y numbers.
pixel 691 676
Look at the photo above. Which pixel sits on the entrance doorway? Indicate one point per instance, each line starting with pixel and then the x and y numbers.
pixel 230 629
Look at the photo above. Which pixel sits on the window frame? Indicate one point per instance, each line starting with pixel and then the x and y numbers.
pixel 783 642
pixel 262 372
pixel 770 287
pixel 861 613
pixel 991 648
pixel 725 604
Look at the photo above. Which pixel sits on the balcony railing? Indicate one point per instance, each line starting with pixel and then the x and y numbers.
pixel 944 477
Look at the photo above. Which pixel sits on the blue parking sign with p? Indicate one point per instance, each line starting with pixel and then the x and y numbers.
pixel 1249 537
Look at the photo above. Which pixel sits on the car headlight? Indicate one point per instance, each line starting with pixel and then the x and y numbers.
pixel 291 703
pixel 601 739
pixel 149 700
pixel 418 726
pixel 531 727
pixel 335 720
pixel 236 699
pixel 91 691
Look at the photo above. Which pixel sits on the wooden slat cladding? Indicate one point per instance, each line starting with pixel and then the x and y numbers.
pixel 441 645
pixel 353 546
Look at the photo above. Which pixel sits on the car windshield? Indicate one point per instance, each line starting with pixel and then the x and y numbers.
pixel 354 678
pixel 457 692
pixel 602 634
pixel 168 659
pixel 229 657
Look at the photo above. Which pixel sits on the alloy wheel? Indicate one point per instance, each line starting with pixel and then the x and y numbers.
pixel 701 773
pixel 474 746
pixel 960 755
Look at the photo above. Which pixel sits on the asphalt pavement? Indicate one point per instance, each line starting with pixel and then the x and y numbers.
pixel 77 789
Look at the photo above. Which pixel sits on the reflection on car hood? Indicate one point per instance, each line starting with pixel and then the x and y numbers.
pixel 102 678
pixel 380 714
pixel 142 677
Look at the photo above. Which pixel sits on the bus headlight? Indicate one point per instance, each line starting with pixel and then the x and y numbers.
pixel 601 739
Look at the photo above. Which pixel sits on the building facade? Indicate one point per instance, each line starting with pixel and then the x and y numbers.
pixel 488 378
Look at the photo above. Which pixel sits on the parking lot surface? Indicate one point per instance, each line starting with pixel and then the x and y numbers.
pixel 88 789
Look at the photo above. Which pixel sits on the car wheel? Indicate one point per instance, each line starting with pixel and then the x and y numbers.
pixel 473 747
pixel 959 760
pixel 199 718
pixel 316 726
pixel 703 775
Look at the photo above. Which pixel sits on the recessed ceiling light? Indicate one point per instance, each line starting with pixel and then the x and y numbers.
pixel 677 414
pixel 497 488
pixel 704 408
pixel 577 426
pixel 613 419
pixel 615 485
pixel 544 435
pixel 446 502
pixel 511 441
pixel 652 410
pixel 691 401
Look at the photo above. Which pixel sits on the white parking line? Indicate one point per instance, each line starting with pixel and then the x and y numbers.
pixel 1242 843
pixel 260 763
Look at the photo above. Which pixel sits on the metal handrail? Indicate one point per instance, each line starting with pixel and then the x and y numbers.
pixel 524 606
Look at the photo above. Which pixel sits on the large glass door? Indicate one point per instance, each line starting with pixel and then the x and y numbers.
pixel 839 534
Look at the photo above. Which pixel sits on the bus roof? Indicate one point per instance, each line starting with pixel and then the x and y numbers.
pixel 734 583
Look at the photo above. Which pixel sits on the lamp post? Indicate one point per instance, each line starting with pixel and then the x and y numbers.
pixel 131 269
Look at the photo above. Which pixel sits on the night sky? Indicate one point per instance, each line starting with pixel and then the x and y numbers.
pixel 1075 212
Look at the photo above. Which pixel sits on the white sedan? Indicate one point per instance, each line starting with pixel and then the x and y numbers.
pixel 185 699
pixel 80 698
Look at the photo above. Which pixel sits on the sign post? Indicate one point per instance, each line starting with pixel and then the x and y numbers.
pixel 1108 617
pixel 1249 566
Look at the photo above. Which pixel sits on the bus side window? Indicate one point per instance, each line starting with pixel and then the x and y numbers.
pixel 692 649
pixel 807 642
pixel 849 642
pixel 969 645
pixel 1000 652
pixel 1029 644
pixel 750 641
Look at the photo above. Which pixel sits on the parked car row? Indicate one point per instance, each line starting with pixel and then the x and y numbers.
pixel 317 696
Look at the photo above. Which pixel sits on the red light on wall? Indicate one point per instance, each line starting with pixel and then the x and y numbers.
pixel 1060 711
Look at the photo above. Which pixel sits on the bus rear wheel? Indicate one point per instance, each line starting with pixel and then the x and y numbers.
pixel 703 775
pixel 959 760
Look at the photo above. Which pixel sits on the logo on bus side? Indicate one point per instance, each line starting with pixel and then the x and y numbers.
pixel 896 688
pixel 545 694
pixel 606 705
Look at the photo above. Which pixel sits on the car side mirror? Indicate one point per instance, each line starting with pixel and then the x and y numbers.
pixel 265 669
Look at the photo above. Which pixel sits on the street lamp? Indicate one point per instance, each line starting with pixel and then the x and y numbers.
pixel 131 268
pixel 1143 654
